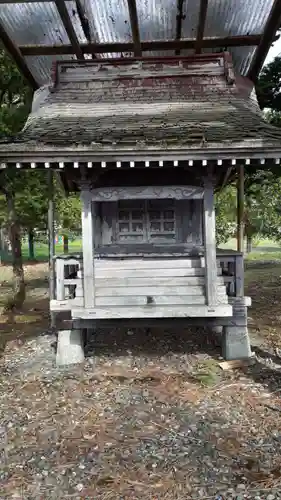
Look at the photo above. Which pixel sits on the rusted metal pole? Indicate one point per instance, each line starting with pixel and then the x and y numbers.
pixel 271 27
pixel 133 13
pixel 51 241
pixel 115 47
pixel 240 208
pixel 16 54
pixel 201 25
pixel 69 28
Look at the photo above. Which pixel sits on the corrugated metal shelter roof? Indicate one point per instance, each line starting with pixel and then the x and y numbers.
pixel 38 32
pixel 191 103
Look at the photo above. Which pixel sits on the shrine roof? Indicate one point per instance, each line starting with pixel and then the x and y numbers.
pixel 183 103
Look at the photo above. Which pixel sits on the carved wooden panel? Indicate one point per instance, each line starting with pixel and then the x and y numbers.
pixel 146 192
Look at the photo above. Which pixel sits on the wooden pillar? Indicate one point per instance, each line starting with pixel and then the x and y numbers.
pixel 240 209
pixel 51 241
pixel 210 243
pixel 239 276
pixel 88 246
pixel 60 292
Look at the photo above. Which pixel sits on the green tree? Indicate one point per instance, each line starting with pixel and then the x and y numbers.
pixel 15 97
pixel 262 212
pixel 15 102
pixel 269 85
pixel 225 204
pixel 68 216
pixel 32 204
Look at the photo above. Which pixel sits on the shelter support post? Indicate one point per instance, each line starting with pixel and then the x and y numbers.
pixel 88 246
pixel 51 242
pixel 210 243
pixel 240 209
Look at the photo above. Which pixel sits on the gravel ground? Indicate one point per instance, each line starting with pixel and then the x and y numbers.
pixel 149 415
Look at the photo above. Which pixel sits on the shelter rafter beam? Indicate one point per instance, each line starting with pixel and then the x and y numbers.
pixel 16 54
pixel 83 20
pixel 100 48
pixel 272 25
pixel 179 22
pixel 201 25
pixel 63 12
pixel 133 13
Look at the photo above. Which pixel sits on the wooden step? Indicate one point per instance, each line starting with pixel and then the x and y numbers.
pixel 141 300
pixel 117 312
pixel 146 281
pixel 147 263
pixel 152 291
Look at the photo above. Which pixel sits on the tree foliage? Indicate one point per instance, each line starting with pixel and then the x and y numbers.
pixel 225 203
pixel 30 192
pixel 262 211
pixel 269 86
pixel 68 213
pixel 262 215
pixel 15 96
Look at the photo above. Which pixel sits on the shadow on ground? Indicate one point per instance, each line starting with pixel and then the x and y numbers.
pixel 266 370
pixel 152 341
pixel 188 343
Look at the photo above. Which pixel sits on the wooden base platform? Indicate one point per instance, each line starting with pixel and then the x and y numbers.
pixel 223 310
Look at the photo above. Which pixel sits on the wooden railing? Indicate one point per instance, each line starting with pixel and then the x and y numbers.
pixel 232 265
pixel 69 279
pixel 70 283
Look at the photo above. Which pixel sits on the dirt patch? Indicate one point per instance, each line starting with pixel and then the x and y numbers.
pixel 263 285
pixel 149 415
pixel 34 317
pixel 137 426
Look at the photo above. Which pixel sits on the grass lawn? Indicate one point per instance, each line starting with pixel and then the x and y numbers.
pixel 263 250
pixel 41 250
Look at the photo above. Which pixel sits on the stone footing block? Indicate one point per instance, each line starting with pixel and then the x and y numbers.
pixel 236 341
pixel 70 347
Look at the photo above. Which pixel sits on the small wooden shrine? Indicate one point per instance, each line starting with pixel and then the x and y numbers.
pixel 147 142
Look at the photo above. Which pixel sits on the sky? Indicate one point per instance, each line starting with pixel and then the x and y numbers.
pixel 274 51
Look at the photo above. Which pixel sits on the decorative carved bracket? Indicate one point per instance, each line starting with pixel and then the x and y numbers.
pixel 146 192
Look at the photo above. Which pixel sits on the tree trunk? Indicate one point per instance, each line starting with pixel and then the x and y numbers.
pixel 249 244
pixel 18 274
pixel 65 243
pixel 31 245
pixel 4 243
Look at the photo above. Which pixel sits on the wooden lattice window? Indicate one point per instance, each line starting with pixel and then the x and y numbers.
pixel 146 221
pixel 131 221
